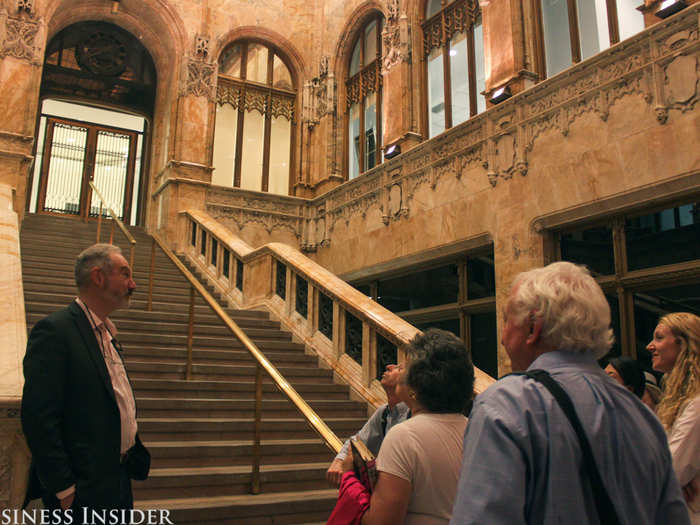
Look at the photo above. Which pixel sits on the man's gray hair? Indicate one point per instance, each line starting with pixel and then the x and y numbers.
pixel 575 314
pixel 96 255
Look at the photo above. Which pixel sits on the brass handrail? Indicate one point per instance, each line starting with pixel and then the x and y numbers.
pixel 333 442
pixel 115 219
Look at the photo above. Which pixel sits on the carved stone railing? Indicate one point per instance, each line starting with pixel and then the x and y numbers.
pixel 343 326
pixel 660 64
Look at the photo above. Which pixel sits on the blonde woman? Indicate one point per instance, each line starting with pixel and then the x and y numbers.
pixel 675 350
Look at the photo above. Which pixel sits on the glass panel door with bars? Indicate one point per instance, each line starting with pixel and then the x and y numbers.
pixel 77 152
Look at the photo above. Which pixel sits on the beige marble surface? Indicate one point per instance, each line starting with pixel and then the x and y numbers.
pixel 13 327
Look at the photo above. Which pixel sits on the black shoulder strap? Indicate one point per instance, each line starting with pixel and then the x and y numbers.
pixel 385 416
pixel 604 506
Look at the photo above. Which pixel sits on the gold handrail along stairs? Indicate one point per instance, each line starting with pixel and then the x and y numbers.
pixel 115 220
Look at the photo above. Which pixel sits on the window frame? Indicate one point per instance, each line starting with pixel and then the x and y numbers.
pixel 462 310
pixel 242 84
pixel 359 86
pixel 472 14
pixel 624 283
pixel 574 35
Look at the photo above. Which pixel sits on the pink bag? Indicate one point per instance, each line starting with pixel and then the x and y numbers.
pixel 353 501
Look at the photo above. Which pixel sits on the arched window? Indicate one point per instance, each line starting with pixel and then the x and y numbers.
pixel 574 30
pixel 364 99
pixel 453 46
pixel 255 102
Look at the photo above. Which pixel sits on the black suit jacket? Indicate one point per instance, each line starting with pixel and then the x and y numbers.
pixel 70 415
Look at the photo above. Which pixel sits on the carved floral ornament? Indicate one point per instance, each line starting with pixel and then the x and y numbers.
pixel 200 78
pixel 252 98
pixel 367 81
pixel 19 39
pixel 455 18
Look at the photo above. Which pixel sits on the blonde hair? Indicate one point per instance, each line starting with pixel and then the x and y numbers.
pixel 683 382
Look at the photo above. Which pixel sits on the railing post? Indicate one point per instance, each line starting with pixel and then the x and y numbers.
pixel 131 256
pixel 190 331
pixel 99 222
pixel 111 232
pixel 255 474
pixel 149 304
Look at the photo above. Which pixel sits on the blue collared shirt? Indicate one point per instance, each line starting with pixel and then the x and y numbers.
pixel 522 460
pixel 372 434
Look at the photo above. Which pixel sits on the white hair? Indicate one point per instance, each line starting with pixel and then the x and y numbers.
pixel 574 312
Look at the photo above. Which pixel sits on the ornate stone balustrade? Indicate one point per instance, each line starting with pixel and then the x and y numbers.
pixel 314 304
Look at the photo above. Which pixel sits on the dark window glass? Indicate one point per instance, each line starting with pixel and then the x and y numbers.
pixel 364 289
pixel 481 277
pixel 386 355
pixel 450 325
pixel 353 337
pixel 420 290
pixel 325 315
pixel 666 237
pixel 592 247
pixel 239 274
pixel 214 248
pixel 226 263
pixel 616 349
pixel 281 280
pixel 484 342
pixel 302 296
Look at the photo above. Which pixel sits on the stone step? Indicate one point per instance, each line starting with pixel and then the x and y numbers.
pixel 230 480
pixel 174 388
pixel 165 454
pixel 231 357
pixel 210 429
pixel 240 408
pixel 204 315
pixel 201 342
pixel 160 370
pixel 298 507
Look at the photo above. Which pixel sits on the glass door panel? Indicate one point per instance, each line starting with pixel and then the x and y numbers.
pixel 64 172
pixel 111 170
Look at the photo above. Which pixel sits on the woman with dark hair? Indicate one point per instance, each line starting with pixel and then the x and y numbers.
pixel 420 459
pixel 627 372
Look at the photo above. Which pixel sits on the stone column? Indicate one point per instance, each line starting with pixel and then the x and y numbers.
pixel 187 175
pixel 397 83
pixel 14 455
pixel 508 53
pixel 517 248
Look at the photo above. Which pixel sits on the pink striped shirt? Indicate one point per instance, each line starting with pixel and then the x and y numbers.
pixel 105 332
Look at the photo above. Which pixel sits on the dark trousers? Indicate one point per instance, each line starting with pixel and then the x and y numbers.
pixel 126 500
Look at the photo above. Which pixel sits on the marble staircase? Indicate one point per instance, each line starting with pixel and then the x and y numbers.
pixel 200 431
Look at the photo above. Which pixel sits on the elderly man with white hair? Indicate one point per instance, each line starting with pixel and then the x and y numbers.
pixel 562 442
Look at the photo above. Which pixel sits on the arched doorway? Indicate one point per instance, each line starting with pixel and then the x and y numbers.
pixel 97 99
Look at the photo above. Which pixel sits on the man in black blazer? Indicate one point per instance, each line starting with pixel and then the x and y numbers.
pixel 78 410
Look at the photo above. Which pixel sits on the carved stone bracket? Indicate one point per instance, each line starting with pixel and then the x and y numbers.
pixel 395 40
pixel 201 46
pixel 319 96
pixel 19 39
pixel 200 79
pixel 25 5
pixel 395 205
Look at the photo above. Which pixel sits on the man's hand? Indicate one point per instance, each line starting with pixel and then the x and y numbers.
pixel 67 502
pixel 335 472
